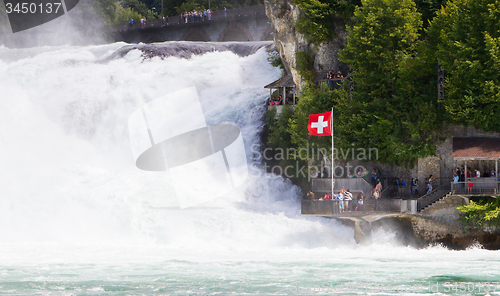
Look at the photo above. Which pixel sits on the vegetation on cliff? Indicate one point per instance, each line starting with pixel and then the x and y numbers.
pixel 465 38
pixel 482 212
pixel 393 48
pixel 318 25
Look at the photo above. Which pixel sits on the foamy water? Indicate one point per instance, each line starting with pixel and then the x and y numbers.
pixel 77 216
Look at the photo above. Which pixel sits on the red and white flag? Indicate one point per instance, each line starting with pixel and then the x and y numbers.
pixel 319 124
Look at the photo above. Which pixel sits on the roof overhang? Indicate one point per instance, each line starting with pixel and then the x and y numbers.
pixel 286 81
pixel 476 148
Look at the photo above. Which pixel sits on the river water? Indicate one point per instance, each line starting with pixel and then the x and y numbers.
pixel 78 218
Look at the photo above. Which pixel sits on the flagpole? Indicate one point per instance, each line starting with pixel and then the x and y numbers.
pixel 331 130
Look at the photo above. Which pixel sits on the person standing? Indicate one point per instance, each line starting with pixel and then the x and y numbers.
pixel 413 186
pixel 416 187
pixel 429 184
pixel 374 177
pixel 347 199
pixel 131 22
pixel 455 181
pixel 378 188
pixel 340 198
pixel 375 196
pixel 225 12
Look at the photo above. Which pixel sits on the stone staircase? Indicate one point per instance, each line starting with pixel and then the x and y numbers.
pixel 448 201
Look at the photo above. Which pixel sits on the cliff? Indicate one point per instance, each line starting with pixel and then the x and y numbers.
pixel 282 15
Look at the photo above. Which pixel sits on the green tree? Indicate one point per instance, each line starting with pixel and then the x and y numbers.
pixel 123 15
pixel 279 136
pixel 318 25
pixel 393 104
pixel 465 38
pixel 482 211
pixel 140 7
pixel 428 9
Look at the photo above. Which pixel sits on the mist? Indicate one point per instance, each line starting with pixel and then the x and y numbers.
pixel 80 26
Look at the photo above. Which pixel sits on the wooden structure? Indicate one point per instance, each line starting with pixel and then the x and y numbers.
pixel 284 83
pixel 471 150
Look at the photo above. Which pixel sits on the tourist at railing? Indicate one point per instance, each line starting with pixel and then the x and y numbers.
pixel 401 186
pixel 378 187
pixel 340 198
pixel 360 173
pixel 414 187
pixel 360 202
pixel 478 173
pixel 310 195
pixel 470 186
pixel 374 177
pixel 324 174
pixel 347 199
pixel 375 196
pixel 455 181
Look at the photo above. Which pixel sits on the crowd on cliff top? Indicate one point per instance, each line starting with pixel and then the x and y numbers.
pixel 197 16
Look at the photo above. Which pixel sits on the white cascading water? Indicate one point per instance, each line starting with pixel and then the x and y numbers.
pixel 69 175
pixel 73 202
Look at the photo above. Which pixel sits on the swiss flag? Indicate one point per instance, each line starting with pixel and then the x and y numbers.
pixel 319 124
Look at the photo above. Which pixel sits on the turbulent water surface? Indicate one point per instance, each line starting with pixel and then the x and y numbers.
pixel 77 216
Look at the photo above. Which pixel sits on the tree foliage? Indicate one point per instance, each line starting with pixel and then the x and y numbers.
pixel 465 38
pixel 320 17
pixel 279 137
pixel 484 212
pixel 393 107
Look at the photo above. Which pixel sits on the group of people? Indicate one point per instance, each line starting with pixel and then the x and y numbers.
pixel 278 101
pixel 375 177
pixel 196 16
pixel 460 172
pixel 360 174
pixel 344 196
pixel 323 173
pixel 331 75
pixel 459 177
pixel 334 80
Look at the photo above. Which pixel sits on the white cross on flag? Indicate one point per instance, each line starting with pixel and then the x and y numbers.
pixel 319 124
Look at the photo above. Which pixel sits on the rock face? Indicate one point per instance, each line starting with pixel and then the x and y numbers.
pixel 283 14
pixel 440 224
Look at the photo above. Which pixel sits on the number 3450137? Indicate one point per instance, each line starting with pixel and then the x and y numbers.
pixel 32 8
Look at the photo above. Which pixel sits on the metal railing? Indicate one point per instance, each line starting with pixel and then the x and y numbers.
pixel 481 186
pixel 408 191
pixel 433 196
pixel 180 20
pixel 333 207
pixel 357 185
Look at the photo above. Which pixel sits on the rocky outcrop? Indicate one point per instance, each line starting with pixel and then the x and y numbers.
pixel 283 14
pixel 440 224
